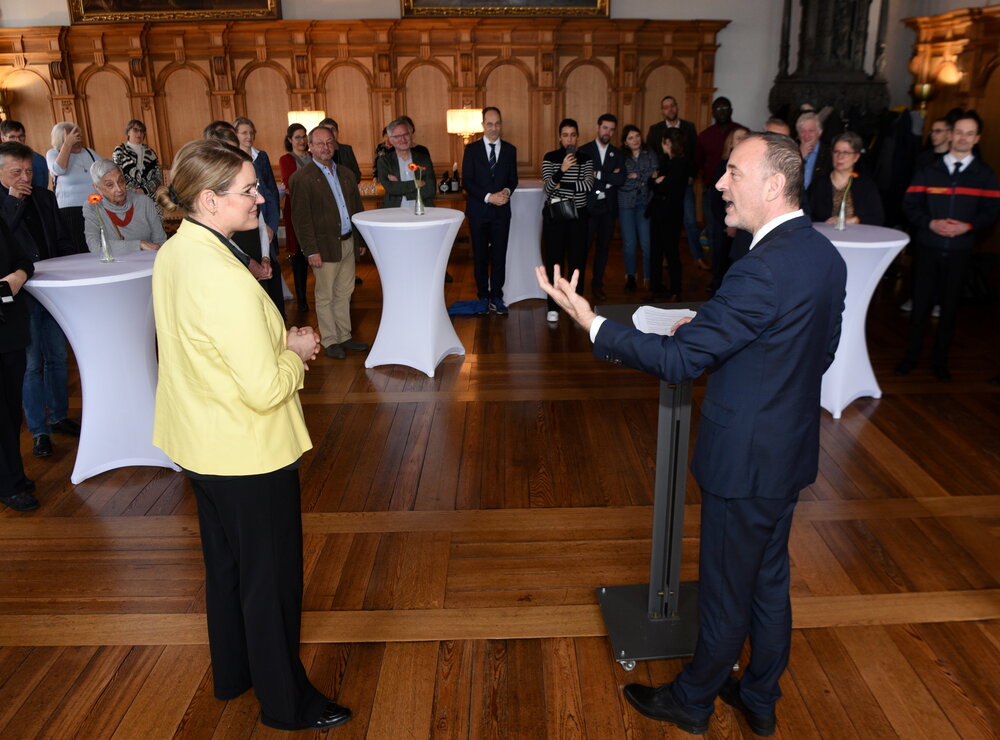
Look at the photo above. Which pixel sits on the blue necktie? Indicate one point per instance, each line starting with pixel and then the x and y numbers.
pixel 493 156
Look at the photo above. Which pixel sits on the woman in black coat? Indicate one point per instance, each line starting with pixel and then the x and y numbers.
pixel 666 215
pixel 864 206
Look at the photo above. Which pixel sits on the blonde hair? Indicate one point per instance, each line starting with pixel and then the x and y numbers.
pixel 200 165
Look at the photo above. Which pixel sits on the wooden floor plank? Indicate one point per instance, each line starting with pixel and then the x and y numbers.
pixel 405 693
pixel 166 693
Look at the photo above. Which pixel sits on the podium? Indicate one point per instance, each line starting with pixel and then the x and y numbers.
pixel 658 619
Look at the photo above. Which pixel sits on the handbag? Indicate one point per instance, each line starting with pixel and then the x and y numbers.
pixel 561 210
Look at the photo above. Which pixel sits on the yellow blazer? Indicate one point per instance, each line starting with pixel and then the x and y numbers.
pixel 227 400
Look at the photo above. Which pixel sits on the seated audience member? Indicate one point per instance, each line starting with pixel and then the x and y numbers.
pixel 16 489
pixel 32 215
pixel 137 162
pixel 951 201
pixel 69 162
pixel 344 156
pixel 394 171
pixel 864 206
pixel 129 220
pixel 11 130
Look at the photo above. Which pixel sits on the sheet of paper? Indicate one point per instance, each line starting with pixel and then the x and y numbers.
pixel 659 320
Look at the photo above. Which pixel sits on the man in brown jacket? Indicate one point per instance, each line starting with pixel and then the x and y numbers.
pixel 326 196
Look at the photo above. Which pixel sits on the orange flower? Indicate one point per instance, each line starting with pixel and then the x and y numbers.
pixel 854 174
pixel 94 198
pixel 414 167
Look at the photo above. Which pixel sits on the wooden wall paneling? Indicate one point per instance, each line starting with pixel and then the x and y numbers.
pixel 185 108
pixel 508 86
pixel 662 79
pixel 348 90
pixel 265 90
pixel 426 98
pixel 30 100
pixel 587 89
pixel 105 98
pixel 988 107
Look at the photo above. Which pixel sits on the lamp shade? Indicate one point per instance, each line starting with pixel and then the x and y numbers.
pixel 464 121
pixel 308 118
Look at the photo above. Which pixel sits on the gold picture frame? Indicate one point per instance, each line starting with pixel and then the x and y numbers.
pixel 144 11
pixel 581 8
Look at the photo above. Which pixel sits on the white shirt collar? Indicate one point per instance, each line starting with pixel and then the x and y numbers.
pixel 254 151
pixel 773 224
pixel 487 142
pixel 949 161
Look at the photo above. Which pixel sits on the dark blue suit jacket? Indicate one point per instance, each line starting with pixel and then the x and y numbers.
pixel 269 189
pixel 478 181
pixel 766 337
pixel 57 242
pixel 609 181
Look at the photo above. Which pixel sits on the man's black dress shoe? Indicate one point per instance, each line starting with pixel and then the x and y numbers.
pixel 354 345
pixel 905 367
pixel 335 351
pixel 761 724
pixel 20 501
pixel 657 702
pixel 42 446
pixel 333 715
pixel 66 426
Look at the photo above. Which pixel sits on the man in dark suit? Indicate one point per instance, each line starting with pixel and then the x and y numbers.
pixel 490 176
pixel 767 337
pixel 344 155
pixel 32 215
pixel 602 201
pixel 672 119
pixel 326 196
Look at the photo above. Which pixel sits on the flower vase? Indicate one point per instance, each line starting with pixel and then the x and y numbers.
pixel 418 209
pixel 106 255
pixel 842 218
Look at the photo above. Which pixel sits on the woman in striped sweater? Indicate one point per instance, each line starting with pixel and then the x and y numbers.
pixel 566 173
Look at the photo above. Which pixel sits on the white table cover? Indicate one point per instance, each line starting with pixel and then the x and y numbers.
pixel 106 312
pixel 411 253
pixel 868 251
pixel 524 245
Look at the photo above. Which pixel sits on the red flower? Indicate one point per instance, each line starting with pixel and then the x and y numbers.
pixel 414 167
pixel 94 198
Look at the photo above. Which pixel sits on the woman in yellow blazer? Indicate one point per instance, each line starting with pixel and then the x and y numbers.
pixel 228 412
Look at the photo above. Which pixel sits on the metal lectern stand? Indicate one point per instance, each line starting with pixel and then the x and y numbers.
pixel 658 619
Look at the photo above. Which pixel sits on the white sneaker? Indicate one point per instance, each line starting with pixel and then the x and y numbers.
pixel 552 317
pixel 908 306
pixel 936 312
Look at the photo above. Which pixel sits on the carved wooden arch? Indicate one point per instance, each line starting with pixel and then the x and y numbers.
pixel 15 70
pixel 497 63
pixel 679 66
pixel 160 83
pixel 328 68
pixel 981 78
pixel 94 69
pixel 241 78
pixel 568 69
pixel 406 71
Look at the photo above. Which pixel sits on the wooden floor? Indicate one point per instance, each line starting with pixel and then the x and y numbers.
pixel 457 526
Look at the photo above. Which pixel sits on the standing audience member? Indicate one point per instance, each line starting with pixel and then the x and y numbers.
pixel 602 201
pixel 16 489
pixel 297 146
pixel 32 215
pixel 864 205
pixel 489 176
pixel 69 162
pixel 938 143
pixel 666 215
pixel 384 147
pixel 326 196
pixel 129 220
pixel 707 158
pixel 672 119
pixel 950 201
pixel 640 163
pixel 394 171
pixel 735 242
pixel 11 130
pixel 566 175
pixel 138 162
pixel 269 213
pixel 228 412
pixel 344 155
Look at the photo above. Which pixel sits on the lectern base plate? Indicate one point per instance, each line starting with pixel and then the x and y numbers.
pixel 634 636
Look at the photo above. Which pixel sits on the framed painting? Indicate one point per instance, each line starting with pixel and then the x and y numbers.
pixel 132 11
pixel 506 7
